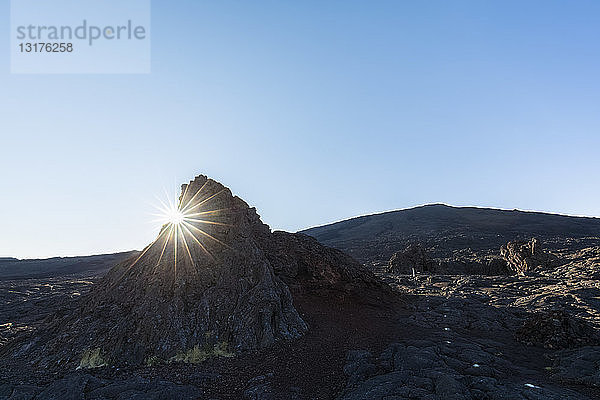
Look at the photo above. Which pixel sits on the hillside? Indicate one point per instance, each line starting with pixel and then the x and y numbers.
pixel 444 229
pixel 12 268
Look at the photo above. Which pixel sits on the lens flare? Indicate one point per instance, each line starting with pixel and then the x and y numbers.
pixel 184 223
pixel 175 217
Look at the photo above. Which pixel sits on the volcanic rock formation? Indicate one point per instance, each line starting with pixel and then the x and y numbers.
pixel 208 285
pixel 516 257
pixel 472 264
pixel 524 256
pixel 305 264
pixel 416 258
pixel 411 260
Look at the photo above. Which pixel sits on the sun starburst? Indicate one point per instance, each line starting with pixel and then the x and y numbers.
pixel 182 222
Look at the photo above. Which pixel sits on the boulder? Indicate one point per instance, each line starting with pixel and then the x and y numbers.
pixel 413 259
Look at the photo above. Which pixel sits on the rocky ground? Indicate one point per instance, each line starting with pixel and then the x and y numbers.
pixel 446 309
pixel 531 337
pixel 449 337
pixel 309 367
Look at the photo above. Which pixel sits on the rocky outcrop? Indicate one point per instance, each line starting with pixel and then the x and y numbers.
pixel 212 284
pixel 204 287
pixel 416 258
pixel 305 264
pixel 516 257
pixel 471 265
pixel 413 259
pixel 524 256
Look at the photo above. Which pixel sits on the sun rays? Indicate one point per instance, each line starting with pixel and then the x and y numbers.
pixel 186 226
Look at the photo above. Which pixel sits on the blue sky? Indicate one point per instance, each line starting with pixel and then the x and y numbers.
pixel 311 111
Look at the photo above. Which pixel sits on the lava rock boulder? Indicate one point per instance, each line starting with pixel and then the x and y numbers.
pixel 413 259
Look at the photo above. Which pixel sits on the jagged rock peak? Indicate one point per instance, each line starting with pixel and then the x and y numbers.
pixel 213 282
pixel 204 283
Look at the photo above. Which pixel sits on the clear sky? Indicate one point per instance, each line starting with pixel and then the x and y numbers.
pixel 312 111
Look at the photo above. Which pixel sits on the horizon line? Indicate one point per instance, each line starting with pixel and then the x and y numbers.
pixel 117 251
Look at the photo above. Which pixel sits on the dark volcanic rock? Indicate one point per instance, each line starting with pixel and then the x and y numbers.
pixel 201 288
pixel 556 329
pixel 472 265
pixel 524 256
pixel 413 259
pixel 579 366
pixel 210 286
pixel 79 386
pixel 302 262
pixel 421 370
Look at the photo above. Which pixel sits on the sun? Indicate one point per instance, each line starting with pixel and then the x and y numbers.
pixel 175 217
pixel 183 224
pixel 171 213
